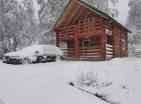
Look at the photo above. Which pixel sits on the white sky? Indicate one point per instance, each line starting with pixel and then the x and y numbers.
pixel 123 10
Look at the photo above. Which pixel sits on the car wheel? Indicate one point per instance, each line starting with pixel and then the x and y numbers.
pixel 26 60
pixel 39 59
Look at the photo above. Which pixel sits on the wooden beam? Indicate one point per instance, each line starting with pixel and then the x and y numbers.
pixel 64 14
pixel 81 35
pixel 57 39
pixel 71 15
pixel 77 48
pixel 80 11
pixel 103 40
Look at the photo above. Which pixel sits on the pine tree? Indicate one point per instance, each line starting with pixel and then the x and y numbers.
pixel 134 17
pixel 7 10
pixel 31 26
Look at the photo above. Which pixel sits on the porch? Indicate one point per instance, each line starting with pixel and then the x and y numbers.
pixel 88 39
pixel 87 49
pixel 86 27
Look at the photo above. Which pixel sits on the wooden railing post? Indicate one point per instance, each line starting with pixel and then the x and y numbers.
pixel 94 24
pixel 77 48
pixel 104 40
pixel 57 39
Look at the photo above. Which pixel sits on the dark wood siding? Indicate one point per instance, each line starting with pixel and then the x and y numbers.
pixel 80 27
pixel 120 42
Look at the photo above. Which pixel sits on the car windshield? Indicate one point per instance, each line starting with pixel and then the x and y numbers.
pixel 48 48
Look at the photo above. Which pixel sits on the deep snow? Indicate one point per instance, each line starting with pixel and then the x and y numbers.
pixel 48 83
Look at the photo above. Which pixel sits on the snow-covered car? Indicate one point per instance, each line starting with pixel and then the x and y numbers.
pixel 34 54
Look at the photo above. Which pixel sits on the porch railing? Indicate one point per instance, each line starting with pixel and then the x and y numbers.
pixel 84 26
pixel 109 51
pixel 90 52
pixel 68 31
pixel 70 52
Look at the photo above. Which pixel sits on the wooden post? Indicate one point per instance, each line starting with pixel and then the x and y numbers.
pixel 77 48
pixel 114 45
pixel 104 40
pixel 127 48
pixel 103 45
pixel 57 39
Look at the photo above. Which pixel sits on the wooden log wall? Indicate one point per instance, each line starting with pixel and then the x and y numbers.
pixel 120 42
pixel 83 28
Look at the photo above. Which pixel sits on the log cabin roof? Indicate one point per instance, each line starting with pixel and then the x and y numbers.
pixel 74 6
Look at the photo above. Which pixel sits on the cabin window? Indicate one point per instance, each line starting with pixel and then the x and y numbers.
pixel 63 45
pixel 86 43
pixel 109 32
pixel 123 45
pixel 93 41
pixel 70 44
pixel 109 40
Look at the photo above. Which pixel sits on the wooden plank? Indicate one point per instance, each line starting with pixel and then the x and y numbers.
pixel 69 52
pixel 92 47
pixel 80 35
pixel 68 30
pixel 70 17
pixel 68 49
pixel 57 39
pixel 90 56
pixel 68 27
pixel 96 54
pixel 90 51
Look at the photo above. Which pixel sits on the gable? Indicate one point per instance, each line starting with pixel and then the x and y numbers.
pixel 73 12
pixel 69 13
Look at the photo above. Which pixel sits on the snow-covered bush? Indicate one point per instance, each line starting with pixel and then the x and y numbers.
pixel 87 78
pixel 90 79
pixel 102 85
pixel 92 83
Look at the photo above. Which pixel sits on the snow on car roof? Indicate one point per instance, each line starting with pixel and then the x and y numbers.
pixel 29 51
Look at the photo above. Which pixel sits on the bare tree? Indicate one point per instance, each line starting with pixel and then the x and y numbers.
pixel 134 23
pixel 31 24
pixel 6 8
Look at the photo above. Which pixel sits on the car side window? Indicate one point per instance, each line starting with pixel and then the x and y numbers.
pixel 46 49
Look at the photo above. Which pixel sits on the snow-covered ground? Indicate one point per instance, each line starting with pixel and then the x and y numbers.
pixel 48 83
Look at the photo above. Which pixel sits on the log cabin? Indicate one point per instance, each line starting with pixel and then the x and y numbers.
pixel 85 32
